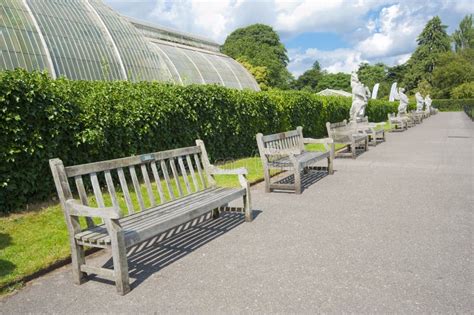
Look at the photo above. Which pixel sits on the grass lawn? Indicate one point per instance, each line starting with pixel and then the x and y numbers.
pixel 34 240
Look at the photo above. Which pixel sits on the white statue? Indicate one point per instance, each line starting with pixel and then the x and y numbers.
pixel 375 91
pixel 359 98
pixel 428 103
pixel 393 93
pixel 402 108
pixel 419 102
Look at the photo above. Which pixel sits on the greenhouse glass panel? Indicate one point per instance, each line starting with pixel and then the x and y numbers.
pixel 75 38
pixel 19 41
pixel 140 60
pixel 187 70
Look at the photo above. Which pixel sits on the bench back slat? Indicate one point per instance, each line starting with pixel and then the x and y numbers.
pixel 125 191
pixel 111 188
pixel 184 174
pixel 164 169
pixel 149 190
pixel 200 172
pixel 136 186
pixel 193 175
pixel 83 197
pixel 154 170
pixel 176 177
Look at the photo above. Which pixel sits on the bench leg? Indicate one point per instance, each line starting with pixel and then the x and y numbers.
pixel 119 256
pixel 248 207
pixel 216 212
pixel 77 260
pixel 330 166
pixel 266 175
pixel 297 181
pixel 353 149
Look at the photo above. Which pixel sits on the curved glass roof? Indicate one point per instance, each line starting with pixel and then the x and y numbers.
pixel 87 40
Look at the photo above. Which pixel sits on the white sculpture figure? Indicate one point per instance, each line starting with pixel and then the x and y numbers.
pixel 359 98
pixel 393 92
pixel 402 108
pixel 375 91
pixel 428 103
pixel 419 102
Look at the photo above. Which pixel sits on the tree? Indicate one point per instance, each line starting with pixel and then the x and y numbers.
pixel 259 73
pixel 260 46
pixel 369 75
pixel 309 79
pixel 336 81
pixel 463 37
pixel 432 42
pixel 452 70
pixel 463 91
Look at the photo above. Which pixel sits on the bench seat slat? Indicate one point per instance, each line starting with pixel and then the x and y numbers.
pixel 164 216
pixel 303 159
pixel 149 213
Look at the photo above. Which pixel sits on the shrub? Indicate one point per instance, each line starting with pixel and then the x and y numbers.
pixel 84 121
pixel 463 91
pixel 451 105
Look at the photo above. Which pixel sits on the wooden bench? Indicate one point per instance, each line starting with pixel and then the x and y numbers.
pixel 182 188
pixel 396 123
pixel 341 133
pixel 416 116
pixel 363 125
pixel 285 151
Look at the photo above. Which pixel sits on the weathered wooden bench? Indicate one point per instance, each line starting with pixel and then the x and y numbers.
pixel 183 188
pixel 363 125
pixel 396 123
pixel 342 133
pixel 286 151
pixel 416 116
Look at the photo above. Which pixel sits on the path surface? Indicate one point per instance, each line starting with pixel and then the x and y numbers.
pixel 389 232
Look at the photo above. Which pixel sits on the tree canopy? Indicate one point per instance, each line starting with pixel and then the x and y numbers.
pixel 259 45
pixel 432 42
pixel 463 37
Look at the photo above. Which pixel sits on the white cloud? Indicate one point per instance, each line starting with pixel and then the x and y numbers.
pixel 333 61
pixel 377 30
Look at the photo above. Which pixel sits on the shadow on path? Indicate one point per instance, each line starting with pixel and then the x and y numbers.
pixel 151 256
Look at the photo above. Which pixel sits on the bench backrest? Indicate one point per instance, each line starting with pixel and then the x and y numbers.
pixel 289 140
pixel 166 176
pixel 333 128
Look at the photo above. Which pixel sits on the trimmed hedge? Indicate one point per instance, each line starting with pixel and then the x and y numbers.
pixel 452 105
pixel 84 121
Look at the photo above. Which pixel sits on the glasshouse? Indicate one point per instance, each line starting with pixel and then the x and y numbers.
pixel 87 40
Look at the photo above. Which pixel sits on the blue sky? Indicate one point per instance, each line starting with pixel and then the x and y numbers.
pixel 340 34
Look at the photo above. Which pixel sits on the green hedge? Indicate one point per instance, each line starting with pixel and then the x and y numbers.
pixel 452 105
pixel 84 121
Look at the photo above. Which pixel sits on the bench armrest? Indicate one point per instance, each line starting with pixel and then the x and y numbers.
pixel 241 172
pixel 223 171
pixel 327 142
pixel 75 208
pixel 319 141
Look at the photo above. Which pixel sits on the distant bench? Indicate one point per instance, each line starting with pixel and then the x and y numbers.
pixel 363 125
pixel 189 191
pixel 341 133
pixel 285 151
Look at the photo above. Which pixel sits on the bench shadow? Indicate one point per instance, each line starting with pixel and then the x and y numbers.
pixel 314 175
pixel 358 151
pixel 6 267
pixel 149 257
